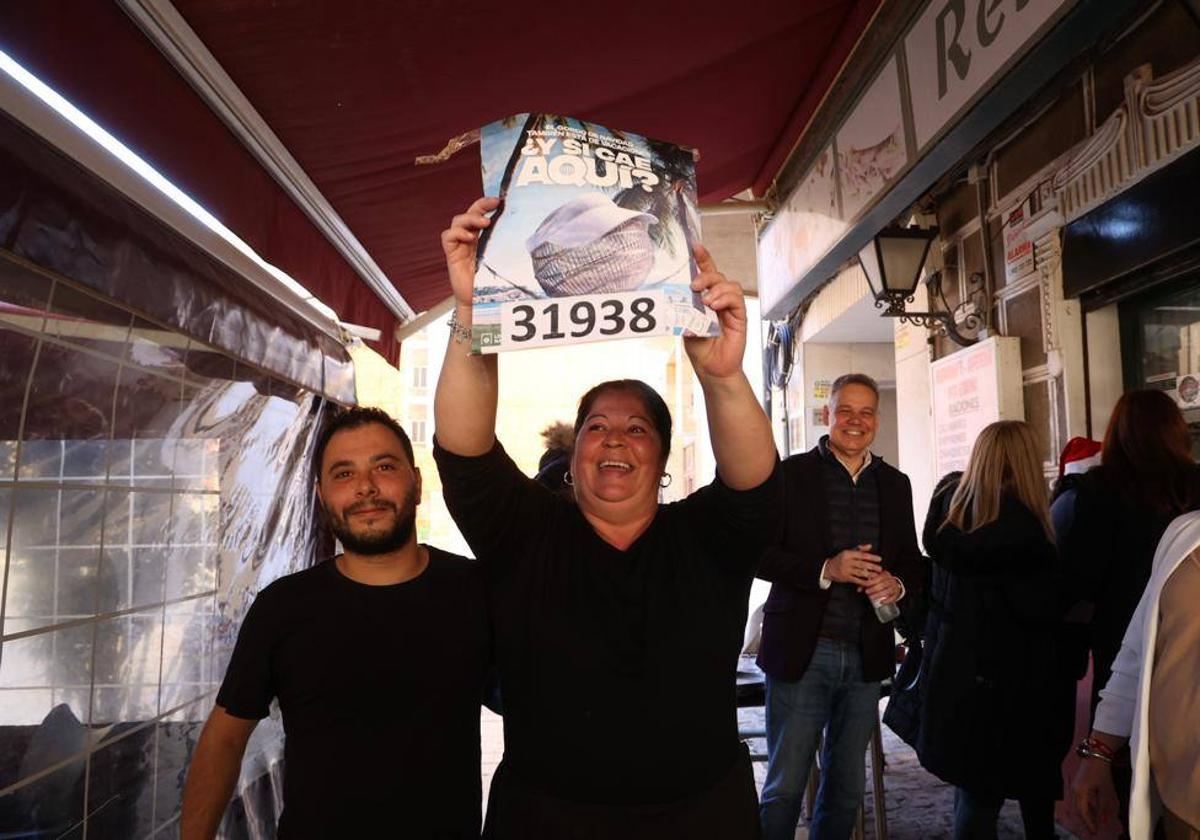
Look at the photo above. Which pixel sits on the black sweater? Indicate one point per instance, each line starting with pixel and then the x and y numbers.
pixel 606 656
pixel 853 521
pixel 1107 553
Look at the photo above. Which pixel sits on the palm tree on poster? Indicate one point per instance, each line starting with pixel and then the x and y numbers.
pixel 533 122
pixel 675 169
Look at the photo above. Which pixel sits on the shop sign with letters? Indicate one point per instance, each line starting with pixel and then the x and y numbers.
pixel 957 47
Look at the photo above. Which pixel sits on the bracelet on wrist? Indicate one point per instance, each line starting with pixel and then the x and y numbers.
pixel 1092 748
pixel 1083 752
pixel 1099 746
pixel 459 332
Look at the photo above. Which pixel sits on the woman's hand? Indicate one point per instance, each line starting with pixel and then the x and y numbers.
pixel 1094 793
pixel 460 242
pixel 720 356
pixel 738 428
pixel 465 403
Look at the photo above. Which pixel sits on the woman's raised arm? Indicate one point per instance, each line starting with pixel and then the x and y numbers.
pixel 740 431
pixel 465 405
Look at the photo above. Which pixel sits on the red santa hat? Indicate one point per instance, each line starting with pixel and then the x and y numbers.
pixel 1078 456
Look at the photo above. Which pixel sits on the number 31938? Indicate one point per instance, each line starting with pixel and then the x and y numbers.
pixel 580 319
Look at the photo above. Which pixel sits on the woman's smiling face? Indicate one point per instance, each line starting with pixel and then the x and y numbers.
pixel 618 454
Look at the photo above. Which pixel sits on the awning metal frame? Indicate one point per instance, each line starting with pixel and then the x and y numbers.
pixel 44 121
pixel 166 29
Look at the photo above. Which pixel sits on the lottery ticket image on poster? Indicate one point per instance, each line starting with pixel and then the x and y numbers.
pixel 592 241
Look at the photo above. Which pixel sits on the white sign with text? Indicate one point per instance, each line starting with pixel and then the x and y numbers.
pixel 976 386
pixel 1018 250
pixel 543 323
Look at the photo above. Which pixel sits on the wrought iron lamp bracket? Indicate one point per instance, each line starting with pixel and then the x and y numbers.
pixel 945 322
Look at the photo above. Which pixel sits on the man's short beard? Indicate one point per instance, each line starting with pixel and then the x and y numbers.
pixel 382 542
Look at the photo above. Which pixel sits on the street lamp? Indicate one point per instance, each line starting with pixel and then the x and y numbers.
pixel 892 261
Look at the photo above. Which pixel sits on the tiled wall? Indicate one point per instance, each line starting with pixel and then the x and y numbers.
pixel 149 487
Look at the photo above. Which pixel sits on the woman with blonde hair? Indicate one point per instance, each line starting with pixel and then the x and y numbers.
pixel 996 713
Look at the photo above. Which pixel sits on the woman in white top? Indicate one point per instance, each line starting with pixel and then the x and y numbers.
pixel 1151 701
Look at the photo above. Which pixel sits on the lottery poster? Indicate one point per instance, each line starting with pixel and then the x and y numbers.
pixel 592 240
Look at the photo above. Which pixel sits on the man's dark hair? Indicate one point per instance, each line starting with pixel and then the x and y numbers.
pixel 853 379
pixel 354 418
pixel 659 414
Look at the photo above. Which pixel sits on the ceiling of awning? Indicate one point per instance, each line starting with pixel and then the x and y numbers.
pixel 357 90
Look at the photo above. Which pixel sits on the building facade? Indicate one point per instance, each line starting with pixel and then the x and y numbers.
pixel 1064 252
pixel 1065 231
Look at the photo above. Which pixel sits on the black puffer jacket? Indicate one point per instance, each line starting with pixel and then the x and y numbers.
pixel 1107 552
pixel 996 705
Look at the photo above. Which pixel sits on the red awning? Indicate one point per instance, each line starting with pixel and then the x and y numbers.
pixel 357 90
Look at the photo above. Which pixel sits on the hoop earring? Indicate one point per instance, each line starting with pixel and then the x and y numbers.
pixel 568 479
pixel 667 483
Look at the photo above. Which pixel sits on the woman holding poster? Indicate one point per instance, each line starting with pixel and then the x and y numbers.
pixel 618 620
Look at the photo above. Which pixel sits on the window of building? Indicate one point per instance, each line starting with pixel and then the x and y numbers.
pixel 1160 338
pixel 795 433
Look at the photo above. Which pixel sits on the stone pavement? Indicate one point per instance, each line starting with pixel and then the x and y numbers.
pixel 919 806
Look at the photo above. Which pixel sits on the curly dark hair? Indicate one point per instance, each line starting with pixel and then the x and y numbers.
pixel 354 418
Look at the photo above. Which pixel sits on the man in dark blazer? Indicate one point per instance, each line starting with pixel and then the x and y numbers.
pixel 848 554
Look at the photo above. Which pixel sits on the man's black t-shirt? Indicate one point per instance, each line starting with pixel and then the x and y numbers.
pixel 379 689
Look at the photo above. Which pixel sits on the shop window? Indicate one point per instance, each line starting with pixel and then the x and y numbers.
pixel 1023 318
pixel 1160 346
pixel 1037 415
pixel 418 432
pixel 795 434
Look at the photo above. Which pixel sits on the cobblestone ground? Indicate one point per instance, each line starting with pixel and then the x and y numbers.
pixel 919 806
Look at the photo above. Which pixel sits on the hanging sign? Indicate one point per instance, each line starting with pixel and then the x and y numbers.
pixel 1018 249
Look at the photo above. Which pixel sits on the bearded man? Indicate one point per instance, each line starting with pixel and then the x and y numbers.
pixel 378 658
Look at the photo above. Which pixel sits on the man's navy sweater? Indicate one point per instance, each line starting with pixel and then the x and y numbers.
pixel 853 521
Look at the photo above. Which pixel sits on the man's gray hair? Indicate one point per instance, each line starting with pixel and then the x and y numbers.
pixel 853 379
